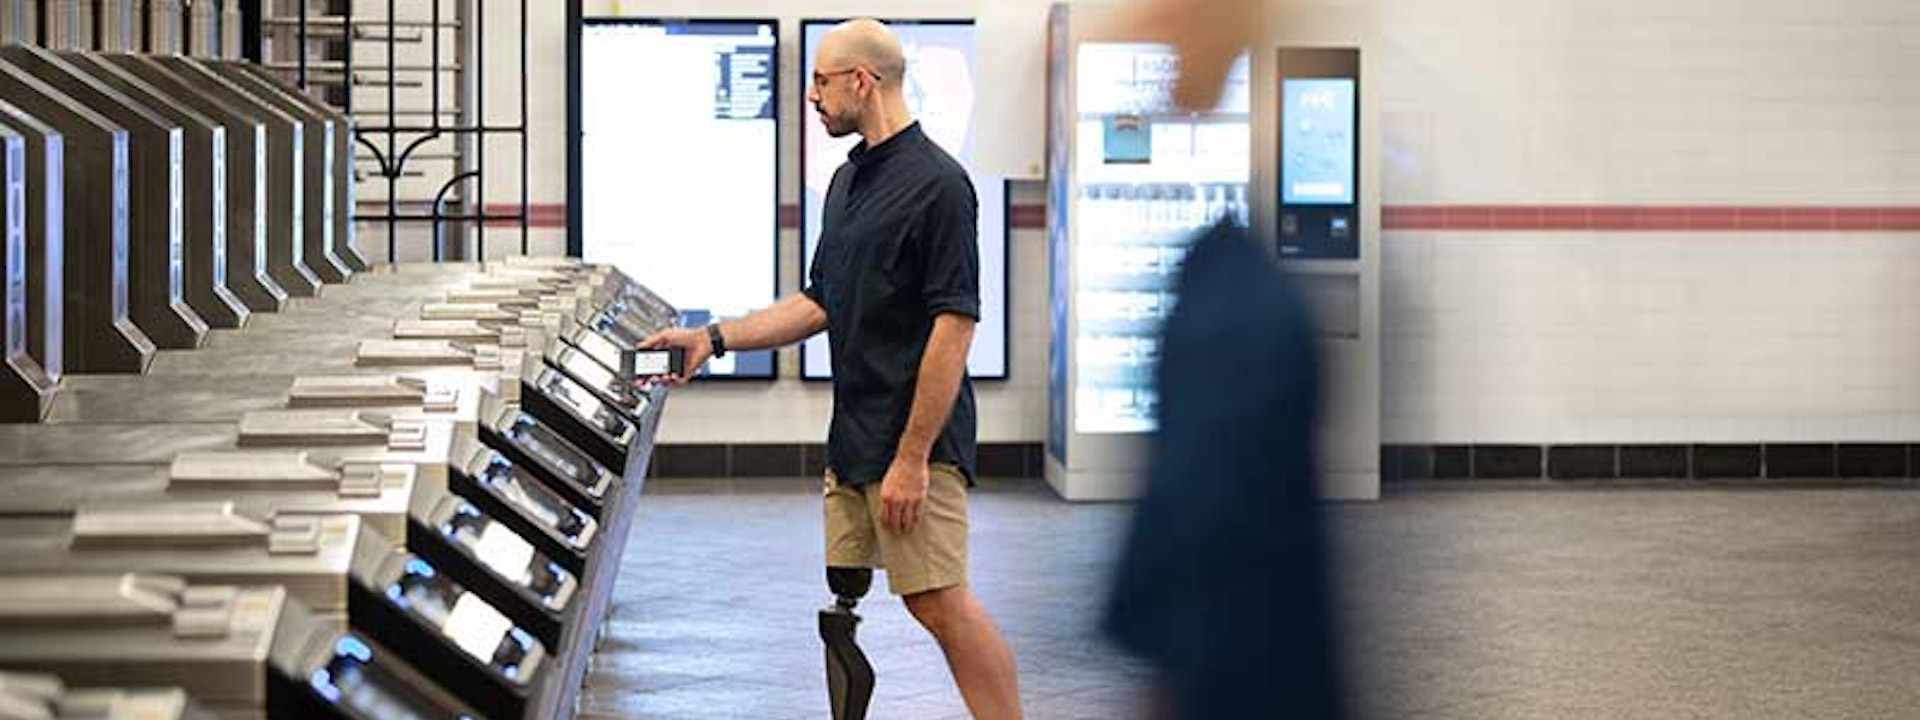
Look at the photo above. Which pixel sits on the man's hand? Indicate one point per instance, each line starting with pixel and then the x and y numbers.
pixel 693 340
pixel 903 494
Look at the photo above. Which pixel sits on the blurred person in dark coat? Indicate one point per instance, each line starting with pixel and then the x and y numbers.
pixel 1223 585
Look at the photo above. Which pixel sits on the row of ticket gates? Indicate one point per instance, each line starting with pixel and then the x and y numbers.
pixel 151 198
pixel 433 537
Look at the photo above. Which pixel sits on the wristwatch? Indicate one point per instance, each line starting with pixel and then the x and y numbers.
pixel 713 338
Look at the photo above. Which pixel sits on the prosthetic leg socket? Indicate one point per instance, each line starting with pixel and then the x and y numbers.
pixel 849 675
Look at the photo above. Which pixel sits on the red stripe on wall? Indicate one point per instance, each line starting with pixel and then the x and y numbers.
pixel 1649 218
pixel 545 216
pixel 1489 218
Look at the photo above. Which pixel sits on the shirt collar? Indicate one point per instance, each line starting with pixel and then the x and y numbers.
pixel 863 156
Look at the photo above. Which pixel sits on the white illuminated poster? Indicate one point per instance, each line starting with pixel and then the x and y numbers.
pixel 942 77
pixel 1149 179
pixel 679 182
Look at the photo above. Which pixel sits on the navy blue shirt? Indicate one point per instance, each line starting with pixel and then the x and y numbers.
pixel 1224 581
pixel 897 248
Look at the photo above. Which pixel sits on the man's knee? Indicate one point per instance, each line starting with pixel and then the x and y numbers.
pixel 939 610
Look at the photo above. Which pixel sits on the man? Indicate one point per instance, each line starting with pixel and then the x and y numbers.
pixel 1224 582
pixel 895 283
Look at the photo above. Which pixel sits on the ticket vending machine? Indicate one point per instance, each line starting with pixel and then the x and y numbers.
pixel 1317 175
pixel 1288 152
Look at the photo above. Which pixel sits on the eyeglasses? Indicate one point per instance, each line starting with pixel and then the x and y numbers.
pixel 820 79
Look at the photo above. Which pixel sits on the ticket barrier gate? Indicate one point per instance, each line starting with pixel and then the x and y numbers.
pixel 244 652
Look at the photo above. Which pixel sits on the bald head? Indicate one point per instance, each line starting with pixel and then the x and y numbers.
pixel 868 44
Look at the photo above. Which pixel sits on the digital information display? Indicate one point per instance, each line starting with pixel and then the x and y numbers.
pixel 1318 140
pixel 942 73
pixel 679 165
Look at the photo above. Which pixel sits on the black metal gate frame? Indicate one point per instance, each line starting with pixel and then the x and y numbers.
pixel 393 157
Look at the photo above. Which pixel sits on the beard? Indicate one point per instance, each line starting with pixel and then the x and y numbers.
pixel 839 125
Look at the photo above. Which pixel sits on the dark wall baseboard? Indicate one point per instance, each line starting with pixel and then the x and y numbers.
pixel 1717 461
pixel 1407 463
pixel 997 460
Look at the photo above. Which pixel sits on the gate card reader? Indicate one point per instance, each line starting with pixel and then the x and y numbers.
pixel 535 446
pixel 99 336
pixel 563 404
pixel 608 388
pixel 488 557
pixel 590 342
pixel 156 281
pixel 244 187
pixel 452 635
pixel 34 697
pixel 513 495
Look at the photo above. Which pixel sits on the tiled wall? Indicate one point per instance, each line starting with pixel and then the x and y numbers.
pixel 1609 221
pixel 1630 221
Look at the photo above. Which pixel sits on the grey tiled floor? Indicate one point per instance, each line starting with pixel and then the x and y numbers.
pixel 1644 603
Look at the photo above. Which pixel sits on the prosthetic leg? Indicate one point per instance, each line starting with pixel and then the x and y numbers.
pixel 849 675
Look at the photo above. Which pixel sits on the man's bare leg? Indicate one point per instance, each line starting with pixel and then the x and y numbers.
pixel 977 654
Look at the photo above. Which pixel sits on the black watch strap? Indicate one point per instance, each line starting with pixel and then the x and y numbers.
pixel 713 338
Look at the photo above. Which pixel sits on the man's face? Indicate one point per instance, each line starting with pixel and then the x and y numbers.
pixel 838 90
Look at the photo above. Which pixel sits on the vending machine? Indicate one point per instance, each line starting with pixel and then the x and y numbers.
pixel 1130 181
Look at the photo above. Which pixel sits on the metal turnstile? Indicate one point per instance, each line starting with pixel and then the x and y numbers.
pixel 346 237
pixel 26 392
pixel 24 695
pixel 203 191
pixel 286 171
pixel 209 542
pixel 43 265
pixel 246 182
pixel 98 335
pixel 317 178
pixel 156 280
pixel 245 652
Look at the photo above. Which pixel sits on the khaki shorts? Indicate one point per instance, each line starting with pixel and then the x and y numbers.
pixel 931 557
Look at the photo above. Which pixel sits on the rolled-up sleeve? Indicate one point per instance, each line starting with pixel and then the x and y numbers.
pixel 950 230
